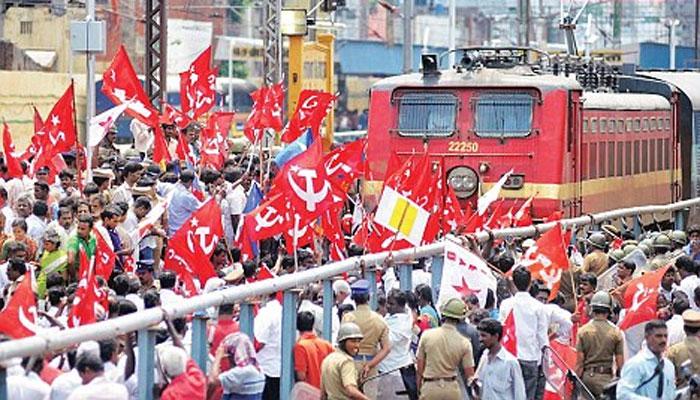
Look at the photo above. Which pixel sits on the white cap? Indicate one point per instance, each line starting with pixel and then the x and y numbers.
pixel 341 286
pixel 173 360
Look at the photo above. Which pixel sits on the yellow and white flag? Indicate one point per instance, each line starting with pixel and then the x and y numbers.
pixel 400 214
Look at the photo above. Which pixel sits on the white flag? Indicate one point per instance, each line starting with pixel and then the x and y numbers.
pixel 101 124
pixel 492 195
pixel 464 274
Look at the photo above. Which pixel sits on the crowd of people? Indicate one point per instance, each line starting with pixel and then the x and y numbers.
pixel 408 347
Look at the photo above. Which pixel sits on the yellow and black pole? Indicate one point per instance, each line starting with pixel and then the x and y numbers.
pixel 326 40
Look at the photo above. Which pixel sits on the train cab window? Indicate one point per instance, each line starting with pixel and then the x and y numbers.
pixel 427 114
pixel 585 125
pixel 503 115
pixel 652 123
pixel 637 124
pixel 603 125
pixel 628 125
pixel 621 125
pixel 668 124
pixel 594 125
pixel 645 124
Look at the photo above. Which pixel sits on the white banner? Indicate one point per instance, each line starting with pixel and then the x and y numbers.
pixel 463 274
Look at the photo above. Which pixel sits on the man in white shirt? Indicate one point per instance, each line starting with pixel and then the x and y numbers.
pixel 531 330
pixel 398 364
pixel 689 279
pixel 676 333
pixel 557 317
pixel 308 303
pixel 65 384
pixel 498 373
pixel 28 385
pixel 95 386
pixel 133 171
pixel 267 329
pixel 36 223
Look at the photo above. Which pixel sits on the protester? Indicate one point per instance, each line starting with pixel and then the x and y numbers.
pixel 309 351
pixel 498 375
pixel 244 379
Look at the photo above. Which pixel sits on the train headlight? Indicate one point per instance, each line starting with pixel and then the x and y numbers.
pixel 464 181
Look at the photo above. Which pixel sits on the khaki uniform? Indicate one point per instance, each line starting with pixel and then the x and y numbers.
pixel 595 262
pixel 375 330
pixel 659 261
pixel 338 371
pixel 598 342
pixel 688 349
pixel 446 353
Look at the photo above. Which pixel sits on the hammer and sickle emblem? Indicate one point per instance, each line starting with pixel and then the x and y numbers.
pixel 308 194
pixel 269 218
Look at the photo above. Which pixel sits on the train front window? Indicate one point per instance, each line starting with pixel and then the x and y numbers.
pixel 504 115
pixel 427 114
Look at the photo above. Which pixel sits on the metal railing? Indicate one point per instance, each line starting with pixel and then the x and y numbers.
pixel 142 321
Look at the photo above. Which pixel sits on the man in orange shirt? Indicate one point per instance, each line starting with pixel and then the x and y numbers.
pixel 309 351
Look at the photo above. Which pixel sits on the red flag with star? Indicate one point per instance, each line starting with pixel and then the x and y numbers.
pixel 58 133
pixel 195 241
pixel 198 86
pixel 121 85
pixel 18 318
pixel 463 274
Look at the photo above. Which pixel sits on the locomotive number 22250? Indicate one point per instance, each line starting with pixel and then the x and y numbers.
pixel 463 147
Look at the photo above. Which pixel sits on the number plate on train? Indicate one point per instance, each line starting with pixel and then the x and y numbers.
pixel 463 147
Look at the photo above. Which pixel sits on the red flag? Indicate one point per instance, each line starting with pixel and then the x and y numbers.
pixel 547 259
pixel 58 133
pixel 176 116
pixel 556 369
pixel 640 298
pixel 264 273
pixel 83 310
pixel 303 181
pixel 215 140
pixel 268 219
pixel 345 163
pixel 161 154
pixel 14 168
pixel 38 121
pixel 266 111
pixel 452 214
pixel 18 317
pixel 175 262
pixel 312 108
pixel 330 223
pixel 510 339
pixel 523 217
pixel 198 86
pixel 195 242
pixel 104 257
pixel 183 152
pixel 120 84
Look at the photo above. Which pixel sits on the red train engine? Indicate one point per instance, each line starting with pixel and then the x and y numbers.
pixel 572 148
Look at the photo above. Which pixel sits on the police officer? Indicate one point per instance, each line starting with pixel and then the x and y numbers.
pixel 689 348
pixel 339 377
pixel 443 353
pixel 596 261
pixel 662 246
pixel 611 232
pixel 678 241
pixel 598 343
pixel 374 346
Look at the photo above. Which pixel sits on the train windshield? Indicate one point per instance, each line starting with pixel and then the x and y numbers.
pixel 504 115
pixel 427 114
